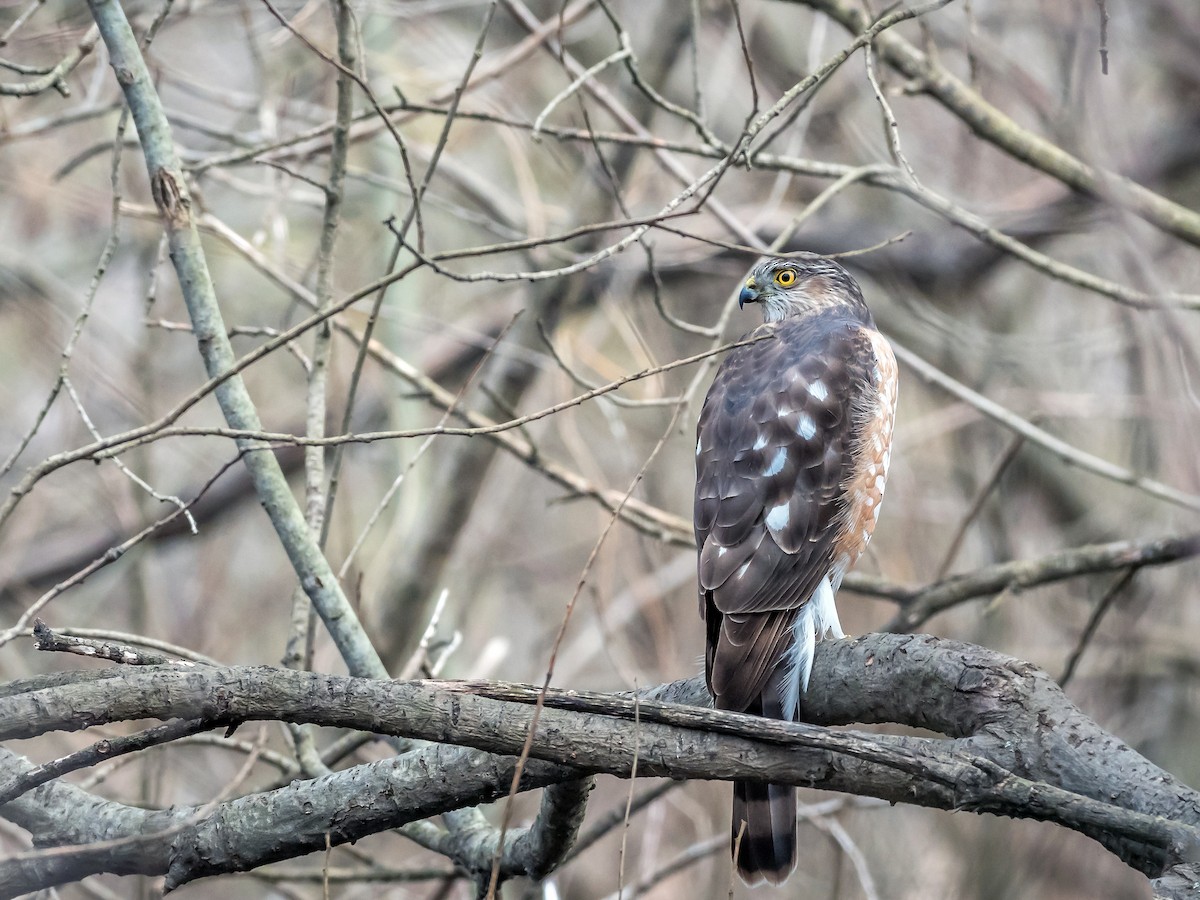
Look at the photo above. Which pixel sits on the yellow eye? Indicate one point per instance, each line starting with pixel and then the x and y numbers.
pixel 785 277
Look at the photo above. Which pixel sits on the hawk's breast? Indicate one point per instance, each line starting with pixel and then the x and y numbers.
pixel 876 414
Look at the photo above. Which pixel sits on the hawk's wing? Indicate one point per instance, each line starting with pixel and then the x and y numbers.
pixel 776 444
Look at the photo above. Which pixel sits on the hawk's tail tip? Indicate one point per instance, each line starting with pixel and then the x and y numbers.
pixel 764 831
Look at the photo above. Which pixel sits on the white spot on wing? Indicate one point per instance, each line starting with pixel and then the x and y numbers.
pixel 777 517
pixel 721 551
pixel 742 569
pixel 776 464
pixel 698 447
pixel 806 427
pixel 760 441
pixel 818 390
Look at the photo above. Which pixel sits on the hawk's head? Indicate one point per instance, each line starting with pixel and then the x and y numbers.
pixel 789 287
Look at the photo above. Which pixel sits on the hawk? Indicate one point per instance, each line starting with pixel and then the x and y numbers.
pixel 792 452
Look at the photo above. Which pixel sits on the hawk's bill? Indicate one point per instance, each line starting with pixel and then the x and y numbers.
pixel 792 453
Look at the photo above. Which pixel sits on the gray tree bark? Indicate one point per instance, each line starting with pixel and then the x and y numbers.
pixel 1014 745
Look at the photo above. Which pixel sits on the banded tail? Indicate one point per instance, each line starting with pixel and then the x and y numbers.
pixel 767 849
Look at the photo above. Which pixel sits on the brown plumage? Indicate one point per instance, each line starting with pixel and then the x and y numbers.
pixel 792 453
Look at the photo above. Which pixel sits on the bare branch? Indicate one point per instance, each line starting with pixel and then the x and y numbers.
pixel 993 125
pixel 917 607
pixel 55 78
pixel 994 761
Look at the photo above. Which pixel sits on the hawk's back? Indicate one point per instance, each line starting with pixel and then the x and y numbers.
pixel 786 443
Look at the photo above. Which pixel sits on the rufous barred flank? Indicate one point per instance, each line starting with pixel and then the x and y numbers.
pixel 792 455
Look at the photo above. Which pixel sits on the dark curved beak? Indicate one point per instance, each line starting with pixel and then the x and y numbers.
pixel 749 294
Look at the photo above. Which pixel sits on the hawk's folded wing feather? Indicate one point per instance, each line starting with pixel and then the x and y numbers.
pixel 776 444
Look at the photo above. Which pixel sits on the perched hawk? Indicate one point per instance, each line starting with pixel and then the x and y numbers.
pixel 792 452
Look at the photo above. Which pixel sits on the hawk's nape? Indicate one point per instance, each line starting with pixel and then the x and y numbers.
pixel 792 453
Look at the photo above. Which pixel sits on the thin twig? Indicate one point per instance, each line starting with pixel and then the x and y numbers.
pixel 993 126
pixel 111 446
pixel 626 402
pixel 1093 622
pixel 562 629
pixel 109 556
pixel 124 469
pixel 46 639
pixel 891 127
pixel 22 17
pixel 747 56
pixel 852 851
pixel 1041 438
pixel 1103 7
pixel 574 86
pixel 985 490
pixel 448 412
pixel 628 806
pixel 81 320
pixel 56 78
pixel 100 751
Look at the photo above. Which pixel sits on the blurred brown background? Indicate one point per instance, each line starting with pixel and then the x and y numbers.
pixel 509 544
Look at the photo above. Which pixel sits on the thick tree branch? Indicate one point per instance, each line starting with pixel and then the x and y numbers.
pixel 1016 747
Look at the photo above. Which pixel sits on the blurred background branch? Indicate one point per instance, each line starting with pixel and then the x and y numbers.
pixel 457 217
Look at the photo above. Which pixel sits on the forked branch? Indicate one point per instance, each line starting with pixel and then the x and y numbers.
pixel 1015 746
